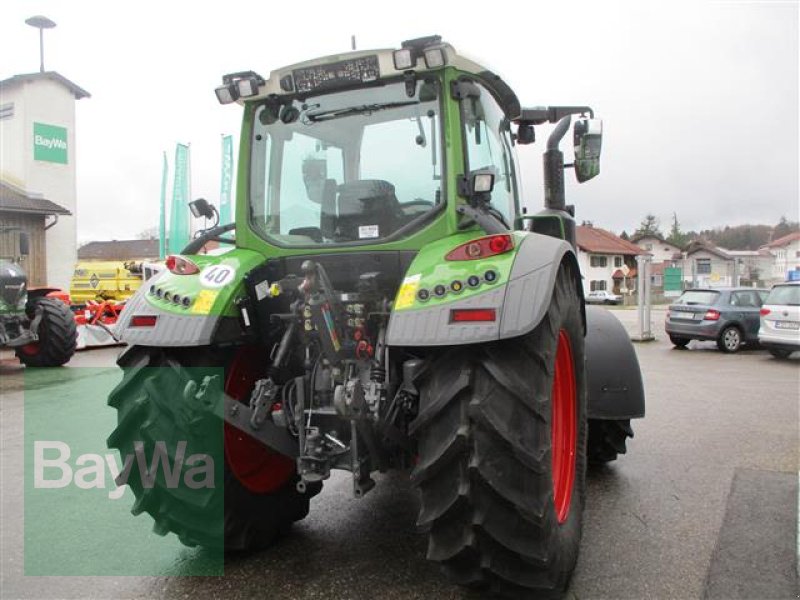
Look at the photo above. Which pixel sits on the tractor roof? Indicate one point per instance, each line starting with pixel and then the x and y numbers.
pixel 367 66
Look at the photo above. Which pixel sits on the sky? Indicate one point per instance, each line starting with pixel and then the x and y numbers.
pixel 699 100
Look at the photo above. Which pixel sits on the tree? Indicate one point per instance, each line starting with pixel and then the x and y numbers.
pixel 649 226
pixel 624 235
pixel 676 237
pixel 151 233
pixel 784 227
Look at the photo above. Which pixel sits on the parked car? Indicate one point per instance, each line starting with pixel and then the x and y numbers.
pixel 603 297
pixel 728 316
pixel 780 320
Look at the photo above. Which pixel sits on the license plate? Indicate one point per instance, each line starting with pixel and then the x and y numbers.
pixel 787 325
pixel 683 316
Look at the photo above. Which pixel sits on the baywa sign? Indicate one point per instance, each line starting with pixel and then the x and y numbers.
pixel 50 143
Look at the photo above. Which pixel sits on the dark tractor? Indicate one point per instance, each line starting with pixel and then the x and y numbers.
pixel 386 304
pixel 40 329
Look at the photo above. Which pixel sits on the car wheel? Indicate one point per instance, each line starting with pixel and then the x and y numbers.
pixel 679 342
pixel 730 340
pixel 781 353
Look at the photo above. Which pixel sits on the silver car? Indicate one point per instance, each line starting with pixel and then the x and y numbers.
pixel 780 320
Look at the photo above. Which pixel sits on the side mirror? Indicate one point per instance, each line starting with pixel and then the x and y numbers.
pixel 202 208
pixel 588 138
pixel 24 243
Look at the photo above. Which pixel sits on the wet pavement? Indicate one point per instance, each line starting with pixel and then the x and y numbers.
pixel 660 522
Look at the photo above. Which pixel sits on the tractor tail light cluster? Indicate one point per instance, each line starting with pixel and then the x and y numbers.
pixel 491 245
pixel 181 266
pixel 711 315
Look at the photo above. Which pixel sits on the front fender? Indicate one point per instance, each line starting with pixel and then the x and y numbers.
pixel 205 306
pixel 520 294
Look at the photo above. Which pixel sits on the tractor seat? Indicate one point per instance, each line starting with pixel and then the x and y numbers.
pixel 365 209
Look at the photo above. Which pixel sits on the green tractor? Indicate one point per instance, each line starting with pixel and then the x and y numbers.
pixel 39 328
pixel 385 304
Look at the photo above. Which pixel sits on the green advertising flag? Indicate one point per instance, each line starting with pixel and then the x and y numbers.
pixel 162 217
pixel 227 178
pixel 50 143
pixel 179 212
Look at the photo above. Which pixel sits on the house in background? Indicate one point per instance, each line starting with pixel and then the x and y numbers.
pixel 785 253
pixel 706 266
pixel 119 250
pixel 657 247
pixel 607 261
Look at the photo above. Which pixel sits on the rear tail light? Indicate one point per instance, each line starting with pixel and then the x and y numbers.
pixel 711 315
pixel 491 245
pixel 764 312
pixel 473 315
pixel 181 266
pixel 144 321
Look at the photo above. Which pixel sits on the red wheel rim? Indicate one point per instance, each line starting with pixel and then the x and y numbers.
pixel 257 468
pixel 31 349
pixel 563 430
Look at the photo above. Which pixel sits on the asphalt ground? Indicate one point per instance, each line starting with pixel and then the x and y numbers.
pixel 703 505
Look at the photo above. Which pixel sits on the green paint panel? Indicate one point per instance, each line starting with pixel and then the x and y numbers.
pixel 212 291
pixel 430 269
pixel 50 143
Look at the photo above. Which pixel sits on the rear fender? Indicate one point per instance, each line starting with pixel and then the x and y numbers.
pixel 614 380
pixel 520 294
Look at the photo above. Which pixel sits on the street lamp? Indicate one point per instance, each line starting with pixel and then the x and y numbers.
pixel 41 23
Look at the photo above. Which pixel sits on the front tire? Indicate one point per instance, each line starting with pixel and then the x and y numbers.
pixel 150 407
pixel 502 455
pixel 58 335
pixel 607 439
pixel 730 340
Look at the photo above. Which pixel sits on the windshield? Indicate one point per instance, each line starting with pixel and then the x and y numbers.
pixel 694 297
pixel 349 167
pixel 787 295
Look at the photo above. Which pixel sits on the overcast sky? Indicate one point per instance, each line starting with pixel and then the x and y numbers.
pixel 699 99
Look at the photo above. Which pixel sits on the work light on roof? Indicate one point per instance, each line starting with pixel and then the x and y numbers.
pixel 434 58
pixel 227 93
pixel 404 59
pixel 247 87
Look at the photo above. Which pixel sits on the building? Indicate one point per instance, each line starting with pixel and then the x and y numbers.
pixel 607 261
pixel 37 146
pixel 657 247
pixel 706 266
pixel 785 253
pixel 752 267
pixel 22 212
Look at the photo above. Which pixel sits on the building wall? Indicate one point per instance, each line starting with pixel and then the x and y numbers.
pixel 44 101
pixel 786 258
pixel 659 250
pixel 720 271
pixel 35 264
pixel 591 273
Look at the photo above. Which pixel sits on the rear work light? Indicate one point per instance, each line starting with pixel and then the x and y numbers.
pixel 473 315
pixel 484 247
pixel 181 266
pixel 764 312
pixel 144 321
pixel 711 315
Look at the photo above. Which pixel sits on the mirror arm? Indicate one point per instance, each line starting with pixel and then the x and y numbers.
pixel 194 246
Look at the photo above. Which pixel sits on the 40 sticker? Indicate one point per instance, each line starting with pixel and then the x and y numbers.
pixel 217 276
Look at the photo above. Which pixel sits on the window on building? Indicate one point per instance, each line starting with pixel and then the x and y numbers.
pixel 617 261
pixel 597 285
pixel 703 266
pixel 598 261
pixel 6 111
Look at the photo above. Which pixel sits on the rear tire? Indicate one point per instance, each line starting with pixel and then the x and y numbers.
pixel 730 340
pixel 57 333
pixel 679 342
pixel 150 406
pixel 494 500
pixel 607 439
pixel 780 353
